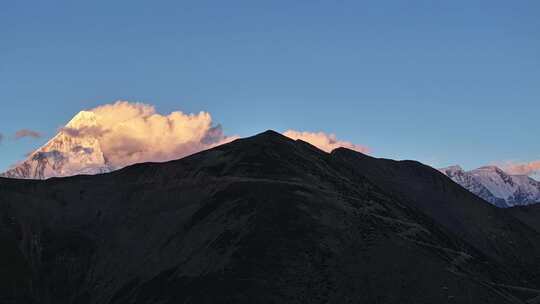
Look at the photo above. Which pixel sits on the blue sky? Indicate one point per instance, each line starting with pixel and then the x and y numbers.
pixel 443 83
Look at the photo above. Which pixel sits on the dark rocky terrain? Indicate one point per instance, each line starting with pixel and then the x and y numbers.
pixel 529 215
pixel 263 220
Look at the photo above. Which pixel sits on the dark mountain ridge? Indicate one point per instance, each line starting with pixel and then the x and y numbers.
pixel 262 220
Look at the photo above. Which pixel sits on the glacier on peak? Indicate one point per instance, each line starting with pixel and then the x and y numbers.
pixel 83 118
pixel 496 186
pixel 453 169
pixel 65 154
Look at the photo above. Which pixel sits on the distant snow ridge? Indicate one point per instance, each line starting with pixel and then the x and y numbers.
pixel 496 186
pixel 65 154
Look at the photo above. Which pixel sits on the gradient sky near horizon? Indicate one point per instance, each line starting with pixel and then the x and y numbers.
pixel 453 82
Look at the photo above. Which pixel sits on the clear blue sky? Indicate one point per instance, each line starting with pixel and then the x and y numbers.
pixel 442 82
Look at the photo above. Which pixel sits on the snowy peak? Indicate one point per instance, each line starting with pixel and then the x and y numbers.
pixel 490 170
pixel 453 172
pixel 496 186
pixel 82 119
pixel 452 169
pixel 70 152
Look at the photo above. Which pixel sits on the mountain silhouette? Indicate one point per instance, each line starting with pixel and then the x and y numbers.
pixel 264 219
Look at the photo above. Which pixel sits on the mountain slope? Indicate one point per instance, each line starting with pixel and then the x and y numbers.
pixel 496 186
pixel 65 154
pixel 260 220
pixel 489 229
pixel 467 181
pixel 529 215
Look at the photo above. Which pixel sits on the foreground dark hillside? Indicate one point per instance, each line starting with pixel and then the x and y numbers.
pixel 529 215
pixel 262 220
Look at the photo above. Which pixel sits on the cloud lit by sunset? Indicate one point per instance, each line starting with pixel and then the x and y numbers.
pixel 131 133
pixel 523 168
pixel 134 132
pixel 324 141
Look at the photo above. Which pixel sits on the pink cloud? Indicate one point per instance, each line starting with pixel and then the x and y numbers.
pixel 127 133
pixel 131 133
pixel 324 141
pixel 522 168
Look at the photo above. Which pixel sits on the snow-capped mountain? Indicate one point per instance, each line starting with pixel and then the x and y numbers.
pixel 67 153
pixel 496 186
